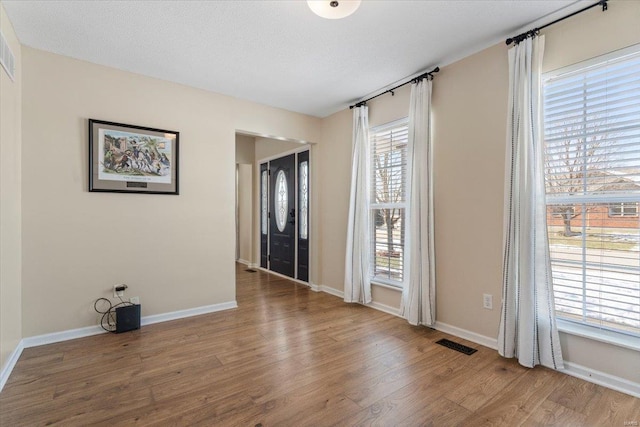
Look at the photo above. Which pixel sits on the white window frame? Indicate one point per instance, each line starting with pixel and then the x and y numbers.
pixel 381 281
pixel 614 337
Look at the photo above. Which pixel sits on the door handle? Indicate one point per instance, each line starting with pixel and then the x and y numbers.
pixel 292 214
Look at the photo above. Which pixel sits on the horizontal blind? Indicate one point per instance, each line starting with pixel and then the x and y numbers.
pixel 592 178
pixel 388 201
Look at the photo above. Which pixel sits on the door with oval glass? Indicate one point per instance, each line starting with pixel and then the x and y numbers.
pixel 282 215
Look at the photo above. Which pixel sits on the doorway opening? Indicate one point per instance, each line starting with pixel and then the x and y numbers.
pixel 273 183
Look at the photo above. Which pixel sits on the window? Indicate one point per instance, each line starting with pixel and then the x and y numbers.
pixel 264 215
pixel 303 185
pixel 592 164
pixel 388 201
pixel 281 201
pixel 623 209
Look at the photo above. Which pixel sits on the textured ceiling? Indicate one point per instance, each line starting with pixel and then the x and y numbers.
pixel 273 52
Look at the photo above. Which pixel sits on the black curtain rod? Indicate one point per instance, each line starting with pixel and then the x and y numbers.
pixel 517 39
pixel 415 79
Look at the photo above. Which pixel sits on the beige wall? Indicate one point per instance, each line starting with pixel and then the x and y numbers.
pixel 268 147
pixel 245 149
pixel 333 165
pixel 245 212
pixel 245 159
pixel 173 251
pixel 10 202
pixel 469 128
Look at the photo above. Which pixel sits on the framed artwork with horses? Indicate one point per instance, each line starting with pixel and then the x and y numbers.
pixel 132 159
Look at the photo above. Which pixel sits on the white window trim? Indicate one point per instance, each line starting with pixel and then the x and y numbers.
pixel 603 335
pixel 389 284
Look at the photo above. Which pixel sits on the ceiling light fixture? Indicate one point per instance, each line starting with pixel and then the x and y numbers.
pixel 333 9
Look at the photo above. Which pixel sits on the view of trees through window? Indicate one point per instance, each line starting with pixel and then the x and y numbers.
pixel 592 177
pixel 388 201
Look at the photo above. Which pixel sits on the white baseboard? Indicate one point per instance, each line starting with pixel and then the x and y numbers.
pixel 95 330
pixel 385 308
pixel 332 291
pixel 11 362
pixel 145 320
pixel 376 305
pixel 591 375
pixel 467 335
pixel 244 261
pixel 597 377
pixel 67 335
pixel 180 314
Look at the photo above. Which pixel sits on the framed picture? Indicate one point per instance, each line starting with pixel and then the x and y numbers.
pixel 132 159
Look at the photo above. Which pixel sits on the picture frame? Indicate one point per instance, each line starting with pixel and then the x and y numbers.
pixel 126 158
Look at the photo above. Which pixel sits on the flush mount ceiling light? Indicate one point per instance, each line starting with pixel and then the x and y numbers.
pixel 333 9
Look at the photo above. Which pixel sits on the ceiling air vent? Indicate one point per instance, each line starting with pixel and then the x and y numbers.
pixel 7 60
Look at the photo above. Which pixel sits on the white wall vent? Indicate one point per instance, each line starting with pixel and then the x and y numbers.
pixel 7 60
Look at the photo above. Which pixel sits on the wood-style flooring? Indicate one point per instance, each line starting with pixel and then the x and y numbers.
pixel 293 357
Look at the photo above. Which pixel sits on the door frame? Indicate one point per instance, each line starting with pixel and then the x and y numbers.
pixel 303 147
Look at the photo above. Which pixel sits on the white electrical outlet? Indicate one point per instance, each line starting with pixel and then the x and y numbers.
pixel 118 293
pixel 134 300
pixel 487 301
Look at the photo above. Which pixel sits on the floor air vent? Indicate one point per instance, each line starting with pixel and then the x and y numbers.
pixel 251 270
pixel 457 347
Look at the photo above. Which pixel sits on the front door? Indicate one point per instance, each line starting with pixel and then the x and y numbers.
pixel 282 218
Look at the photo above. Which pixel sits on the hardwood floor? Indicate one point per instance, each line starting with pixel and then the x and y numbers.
pixel 289 356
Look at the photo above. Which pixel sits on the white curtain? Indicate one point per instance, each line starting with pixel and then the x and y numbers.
pixel 527 323
pixel 357 278
pixel 418 295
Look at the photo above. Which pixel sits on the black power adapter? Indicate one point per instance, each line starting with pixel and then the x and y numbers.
pixel 127 318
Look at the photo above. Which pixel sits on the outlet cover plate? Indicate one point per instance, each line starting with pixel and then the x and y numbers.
pixel 487 301
pixel 117 294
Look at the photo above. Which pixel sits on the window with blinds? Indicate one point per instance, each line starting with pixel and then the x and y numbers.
pixel 388 201
pixel 592 177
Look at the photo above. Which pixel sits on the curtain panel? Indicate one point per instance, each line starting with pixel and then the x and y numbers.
pixel 418 295
pixel 527 323
pixel 357 280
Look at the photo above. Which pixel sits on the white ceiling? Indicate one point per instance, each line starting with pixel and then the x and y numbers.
pixel 274 52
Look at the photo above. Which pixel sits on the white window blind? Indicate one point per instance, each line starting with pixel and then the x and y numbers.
pixel 592 175
pixel 388 201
